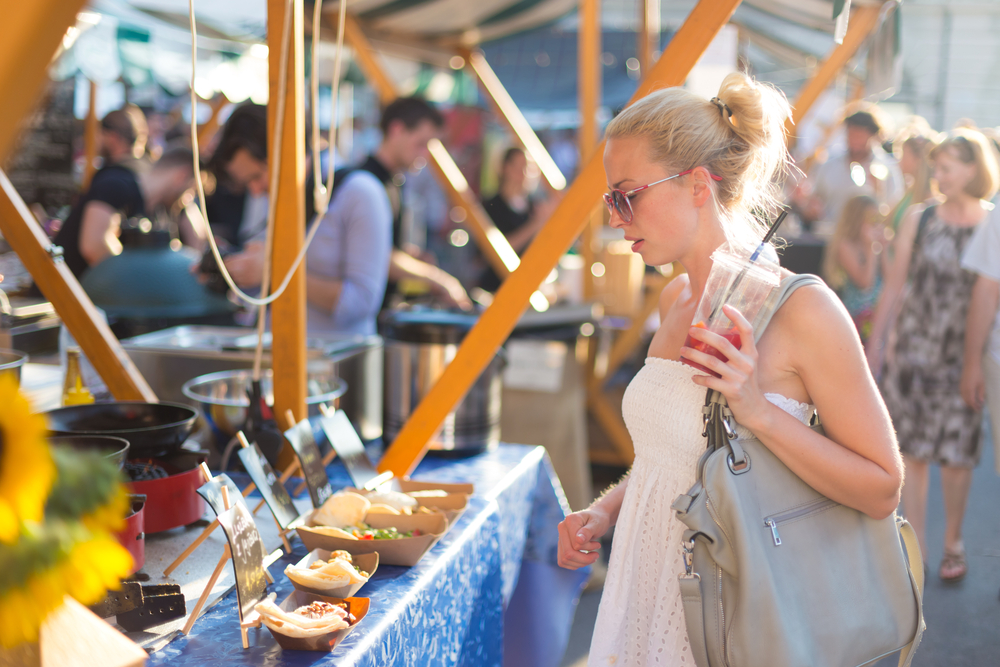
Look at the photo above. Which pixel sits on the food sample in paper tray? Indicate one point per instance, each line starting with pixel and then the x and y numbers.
pixel 326 573
pixel 342 509
pixel 339 570
pixel 362 531
pixel 316 618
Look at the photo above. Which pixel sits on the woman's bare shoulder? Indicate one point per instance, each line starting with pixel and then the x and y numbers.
pixel 815 320
pixel 672 292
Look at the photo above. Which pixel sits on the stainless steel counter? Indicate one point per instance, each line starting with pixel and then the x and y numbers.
pixel 171 357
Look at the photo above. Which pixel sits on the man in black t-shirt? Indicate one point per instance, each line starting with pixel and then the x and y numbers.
pixel 90 233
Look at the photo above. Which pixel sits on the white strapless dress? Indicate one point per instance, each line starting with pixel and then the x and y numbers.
pixel 640 620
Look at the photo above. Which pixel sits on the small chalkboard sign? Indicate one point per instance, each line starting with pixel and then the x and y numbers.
pixel 211 491
pixel 269 485
pixel 345 441
pixel 247 552
pixel 301 438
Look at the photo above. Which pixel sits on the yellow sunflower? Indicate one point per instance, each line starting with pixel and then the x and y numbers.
pixel 26 468
pixel 87 569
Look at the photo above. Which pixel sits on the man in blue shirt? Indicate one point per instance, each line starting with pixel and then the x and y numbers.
pixel 347 264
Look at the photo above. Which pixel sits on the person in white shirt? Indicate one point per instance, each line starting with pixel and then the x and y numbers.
pixel 861 168
pixel 980 383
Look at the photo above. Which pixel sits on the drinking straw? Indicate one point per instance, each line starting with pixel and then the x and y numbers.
pixel 753 258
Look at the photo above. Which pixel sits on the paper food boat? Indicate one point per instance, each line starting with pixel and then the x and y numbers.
pixel 405 551
pixel 327 642
pixel 367 562
pixel 453 505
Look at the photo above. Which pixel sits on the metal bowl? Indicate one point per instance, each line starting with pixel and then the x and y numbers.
pixel 115 449
pixel 223 399
pixel 11 361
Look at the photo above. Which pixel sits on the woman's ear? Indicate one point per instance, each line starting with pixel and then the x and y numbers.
pixel 701 185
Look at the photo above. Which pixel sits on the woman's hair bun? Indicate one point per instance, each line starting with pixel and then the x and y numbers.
pixel 738 136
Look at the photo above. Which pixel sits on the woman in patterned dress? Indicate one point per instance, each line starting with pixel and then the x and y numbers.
pixel 686 174
pixel 921 376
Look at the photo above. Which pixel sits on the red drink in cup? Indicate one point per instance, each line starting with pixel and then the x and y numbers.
pixel 741 279
pixel 732 335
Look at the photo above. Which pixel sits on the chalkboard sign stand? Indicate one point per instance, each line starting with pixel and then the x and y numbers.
pixel 208 529
pixel 309 459
pixel 251 620
pixel 330 455
pixel 282 532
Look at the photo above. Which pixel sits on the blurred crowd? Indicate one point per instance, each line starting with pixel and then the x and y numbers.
pixel 913 250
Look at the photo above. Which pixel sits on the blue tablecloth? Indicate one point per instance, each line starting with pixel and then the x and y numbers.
pixel 488 593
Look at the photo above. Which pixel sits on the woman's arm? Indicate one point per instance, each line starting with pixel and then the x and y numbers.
pixel 580 532
pixel 860 263
pixel 982 313
pixel 895 282
pixel 857 462
pixel 99 229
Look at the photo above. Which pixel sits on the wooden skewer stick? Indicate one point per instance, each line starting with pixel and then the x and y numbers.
pixel 208 589
pixel 208 529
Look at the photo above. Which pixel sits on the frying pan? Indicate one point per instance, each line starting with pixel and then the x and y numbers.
pixel 115 449
pixel 152 429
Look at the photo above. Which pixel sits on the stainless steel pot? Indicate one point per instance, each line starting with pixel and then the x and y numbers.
pixel 419 344
pixel 171 357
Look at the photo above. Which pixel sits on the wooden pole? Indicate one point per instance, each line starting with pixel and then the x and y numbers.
pixel 496 323
pixel 208 130
pixel 90 139
pixel 589 93
pixel 288 313
pixel 648 37
pixel 30 33
pixel 863 22
pixel 60 286
pixel 506 109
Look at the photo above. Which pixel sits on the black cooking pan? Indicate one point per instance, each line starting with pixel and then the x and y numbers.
pixel 115 449
pixel 152 429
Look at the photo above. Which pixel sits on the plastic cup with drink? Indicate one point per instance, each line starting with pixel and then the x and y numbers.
pixel 742 279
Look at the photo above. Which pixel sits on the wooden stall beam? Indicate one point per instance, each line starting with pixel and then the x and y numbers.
pixel 648 37
pixel 90 139
pixel 505 107
pixel 60 286
pixel 496 323
pixel 863 22
pixel 373 69
pixel 30 33
pixel 208 130
pixel 589 99
pixel 611 422
pixel 630 338
pixel 288 313
pixel 490 240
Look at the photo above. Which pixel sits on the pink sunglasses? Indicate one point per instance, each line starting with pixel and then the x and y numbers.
pixel 618 200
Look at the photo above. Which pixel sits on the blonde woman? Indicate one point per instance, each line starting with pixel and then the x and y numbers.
pixel 685 174
pixel 854 264
pixel 916 144
pixel 921 381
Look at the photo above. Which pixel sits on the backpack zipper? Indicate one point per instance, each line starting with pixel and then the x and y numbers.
pixel 797 513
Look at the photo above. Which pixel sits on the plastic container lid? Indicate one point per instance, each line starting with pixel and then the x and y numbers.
pixel 434 327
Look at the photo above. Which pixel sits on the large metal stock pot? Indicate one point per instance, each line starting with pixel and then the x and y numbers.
pixel 419 344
